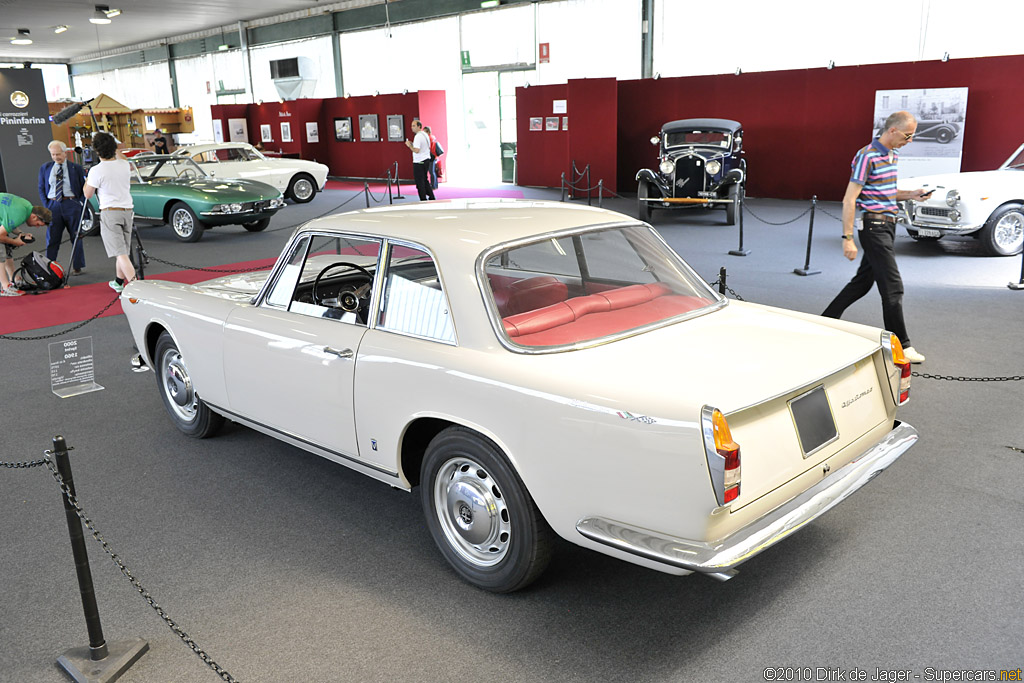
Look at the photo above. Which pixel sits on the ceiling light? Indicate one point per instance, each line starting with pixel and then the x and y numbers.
pixel 111 13
pixel 60 29
pixel 22 38
pixel 100 15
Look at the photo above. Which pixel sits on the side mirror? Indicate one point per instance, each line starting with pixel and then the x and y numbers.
pixel 655 140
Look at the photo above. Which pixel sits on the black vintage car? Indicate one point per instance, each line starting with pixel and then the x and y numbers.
pixel 700 166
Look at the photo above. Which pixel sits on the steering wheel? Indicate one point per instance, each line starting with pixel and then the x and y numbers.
pixel 351 300
pixel 188 173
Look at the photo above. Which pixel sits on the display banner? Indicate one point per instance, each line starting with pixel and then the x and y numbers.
pixel 938 145
pixel 24 131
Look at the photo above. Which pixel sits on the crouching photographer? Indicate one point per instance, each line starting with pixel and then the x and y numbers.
pixel 15 211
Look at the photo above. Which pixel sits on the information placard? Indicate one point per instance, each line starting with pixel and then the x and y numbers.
pixel 71 367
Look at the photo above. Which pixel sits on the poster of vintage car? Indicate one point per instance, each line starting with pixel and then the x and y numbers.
pixel 312 131
pixel 369 130
pixel 286 131
pixel 343 129
pixel 266 135
pixel 552 123
pixel 218 130
pixel 938 145
pixel 396 127
pixel 536 123
pixel 238 130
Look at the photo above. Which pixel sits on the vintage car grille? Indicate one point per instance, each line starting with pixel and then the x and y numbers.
pixel 689 177
pixel 933 211
pixel 262 206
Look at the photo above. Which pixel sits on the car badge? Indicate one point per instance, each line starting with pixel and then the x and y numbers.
pixel 681 182
pixel 825 469
pixel 19 99
pixel 373 444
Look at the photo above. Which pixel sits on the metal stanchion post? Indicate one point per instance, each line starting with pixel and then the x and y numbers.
pixel 721 280
pixel 99 661
pixel 390 200
pixel 366 192
pixel 600 193
pixel 1019 285
pixel 806 270
pixel 398 184
pixel 588 185
pixel 563 187
pixel 740 251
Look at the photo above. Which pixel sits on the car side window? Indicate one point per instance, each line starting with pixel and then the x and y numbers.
pixel 328 276
pixel 205 157
pixel 414 302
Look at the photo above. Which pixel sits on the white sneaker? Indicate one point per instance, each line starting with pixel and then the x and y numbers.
pixel 913 356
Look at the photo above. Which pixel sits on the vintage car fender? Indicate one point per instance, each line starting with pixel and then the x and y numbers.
pixel 655 180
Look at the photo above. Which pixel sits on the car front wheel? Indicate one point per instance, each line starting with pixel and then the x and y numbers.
pixel 90 221
pixel 185 223
pixel 480 515
pixel 187 410
pixel 643 191
pixel 733 208
pixel 1003 234
pixel 302 188
pixel 945 136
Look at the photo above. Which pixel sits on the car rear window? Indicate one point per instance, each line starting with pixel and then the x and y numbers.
pixel 574 289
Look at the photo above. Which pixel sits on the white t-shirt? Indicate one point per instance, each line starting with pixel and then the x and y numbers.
pixel 112 180
pixel 422 142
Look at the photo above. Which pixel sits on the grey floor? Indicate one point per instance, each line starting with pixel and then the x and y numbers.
pixel 286 567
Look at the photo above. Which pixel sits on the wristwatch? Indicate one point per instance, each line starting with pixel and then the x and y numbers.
pixel 847 237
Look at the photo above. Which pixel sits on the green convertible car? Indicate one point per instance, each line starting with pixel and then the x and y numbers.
pixel 175 190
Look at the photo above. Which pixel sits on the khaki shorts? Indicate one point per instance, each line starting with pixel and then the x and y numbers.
pixel 116 231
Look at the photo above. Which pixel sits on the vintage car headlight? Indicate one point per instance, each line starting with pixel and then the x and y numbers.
pixel 666 166
pixel 952 197
pixel 713 167
pixel 227 208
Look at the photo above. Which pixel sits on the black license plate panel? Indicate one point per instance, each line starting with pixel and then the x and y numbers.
pixel 812 416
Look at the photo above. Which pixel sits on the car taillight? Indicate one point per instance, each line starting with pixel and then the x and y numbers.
pixel 723 455
pixel 901 362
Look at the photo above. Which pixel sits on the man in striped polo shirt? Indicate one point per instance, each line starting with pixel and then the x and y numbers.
pixel 870 203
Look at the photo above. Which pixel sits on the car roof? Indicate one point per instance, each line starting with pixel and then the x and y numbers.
pixel 727 125
pixel 460 229
pixel 206 146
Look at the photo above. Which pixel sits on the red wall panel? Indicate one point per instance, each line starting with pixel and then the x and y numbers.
pixel 542 156
pixel 593 117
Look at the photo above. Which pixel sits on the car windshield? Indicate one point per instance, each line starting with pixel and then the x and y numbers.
pixel 705 138
pixel 1017 161
pixel 164 167
pixel 571 290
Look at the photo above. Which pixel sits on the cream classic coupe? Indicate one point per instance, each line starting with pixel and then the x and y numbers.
pixel 297 179
pixel 535 369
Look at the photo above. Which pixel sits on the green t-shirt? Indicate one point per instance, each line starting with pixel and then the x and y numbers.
pixel 13 211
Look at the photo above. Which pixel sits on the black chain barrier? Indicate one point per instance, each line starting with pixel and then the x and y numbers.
pixel 767 222
pixel 951 378
pixel 122 567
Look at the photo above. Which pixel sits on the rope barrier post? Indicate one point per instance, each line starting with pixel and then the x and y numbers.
pixel 721 280
pixel 806 270
pixel 97 662
pixel 390 200
pixel 740 251
pixel 366 192
pixel 398 184
pixel 589 188
pixel 563 187
pixel 600 193
pixel 1019 285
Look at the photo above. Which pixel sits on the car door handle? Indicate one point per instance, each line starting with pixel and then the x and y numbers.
pixel 344 353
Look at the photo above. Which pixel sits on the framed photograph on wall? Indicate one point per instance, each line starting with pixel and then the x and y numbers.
pixel 265 133
pixel 396 128
pixel 343 129
pixel 565 123
pixel 312 131
pixel 369 130
pixel 536 123
pixel 286 131
pixel 552 123
pixel 218 130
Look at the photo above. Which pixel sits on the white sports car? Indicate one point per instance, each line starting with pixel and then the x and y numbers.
pixel 297 179
pixel 535 369
pixel 986 204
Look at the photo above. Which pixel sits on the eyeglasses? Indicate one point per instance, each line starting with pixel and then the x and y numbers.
pixel 906 136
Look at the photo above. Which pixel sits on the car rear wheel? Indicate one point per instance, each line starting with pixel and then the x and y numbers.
pixel 479 513
pixel 1003 234
pixel 643 191
pixel 185 223
pixel 187 410
pixel 944 135
pixel 735 205
pixel 302 189
pixel 257 226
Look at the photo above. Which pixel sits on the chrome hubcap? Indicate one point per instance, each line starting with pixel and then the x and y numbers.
pixel 178 386
pixel 303 189
pixel 182 223
pixel 1009 232
pixel 472 513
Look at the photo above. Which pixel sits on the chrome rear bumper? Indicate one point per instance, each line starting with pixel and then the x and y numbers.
pixel 720 559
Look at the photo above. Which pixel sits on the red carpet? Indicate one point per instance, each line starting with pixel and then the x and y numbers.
pixel 80 302
pixel 409 190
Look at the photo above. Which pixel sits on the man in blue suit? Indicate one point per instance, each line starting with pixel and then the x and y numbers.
pixel 62 191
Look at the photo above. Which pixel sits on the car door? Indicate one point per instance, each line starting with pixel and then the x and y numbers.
pixel 235 162
pixel 143 199
pixel 289 362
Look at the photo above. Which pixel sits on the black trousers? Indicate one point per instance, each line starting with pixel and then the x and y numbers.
pixel 877 267
pixel 419 172
pixel 66 216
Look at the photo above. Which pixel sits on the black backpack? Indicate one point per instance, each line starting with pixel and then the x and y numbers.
pixel 39 273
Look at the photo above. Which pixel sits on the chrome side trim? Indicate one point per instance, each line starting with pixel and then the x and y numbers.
pixel 720 559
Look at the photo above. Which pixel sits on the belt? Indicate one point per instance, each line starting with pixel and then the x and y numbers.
pixel 116 208
pixel 886 217
pixel 74 199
